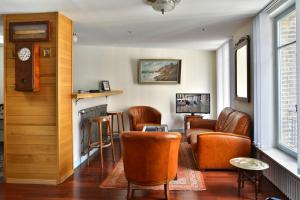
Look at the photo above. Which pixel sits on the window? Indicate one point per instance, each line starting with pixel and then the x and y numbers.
pixel 287 81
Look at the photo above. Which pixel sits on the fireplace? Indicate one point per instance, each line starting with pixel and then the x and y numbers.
pixel 85 114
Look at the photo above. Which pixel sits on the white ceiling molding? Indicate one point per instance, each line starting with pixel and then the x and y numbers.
pixel 191 25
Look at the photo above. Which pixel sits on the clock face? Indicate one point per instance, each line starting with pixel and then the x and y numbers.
pixel 24 54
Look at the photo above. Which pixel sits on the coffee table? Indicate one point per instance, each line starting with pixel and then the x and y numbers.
pixel 245 167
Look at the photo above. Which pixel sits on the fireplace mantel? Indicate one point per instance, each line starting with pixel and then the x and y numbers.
pixel 78 96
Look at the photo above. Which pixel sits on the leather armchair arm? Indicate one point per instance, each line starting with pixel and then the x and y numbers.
pixel 215 149
pixel 202 123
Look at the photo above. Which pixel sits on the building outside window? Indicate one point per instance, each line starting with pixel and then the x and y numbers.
pixel 287 81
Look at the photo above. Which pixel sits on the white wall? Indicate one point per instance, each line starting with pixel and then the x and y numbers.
pixel 119 66
pixel 247 107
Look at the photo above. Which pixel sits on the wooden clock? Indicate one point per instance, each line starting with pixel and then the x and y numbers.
pixel 27 67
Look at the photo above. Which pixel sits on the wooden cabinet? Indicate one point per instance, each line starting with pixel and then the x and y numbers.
pixel 38 125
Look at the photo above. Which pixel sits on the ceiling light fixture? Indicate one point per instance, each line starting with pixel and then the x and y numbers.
pixel 163 5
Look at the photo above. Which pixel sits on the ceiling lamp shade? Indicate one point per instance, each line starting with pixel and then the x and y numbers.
pixel 164 5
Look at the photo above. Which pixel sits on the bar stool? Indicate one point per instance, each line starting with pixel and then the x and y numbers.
pixel 91 145
pixel 120 117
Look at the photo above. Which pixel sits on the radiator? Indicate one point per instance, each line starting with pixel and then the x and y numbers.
pixel 284 180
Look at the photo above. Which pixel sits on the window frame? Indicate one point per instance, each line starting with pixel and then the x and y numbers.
pixel 277 48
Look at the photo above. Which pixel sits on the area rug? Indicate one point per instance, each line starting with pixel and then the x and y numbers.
pixel 188 177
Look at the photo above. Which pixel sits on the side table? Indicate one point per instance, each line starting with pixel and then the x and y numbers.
pixel 245 167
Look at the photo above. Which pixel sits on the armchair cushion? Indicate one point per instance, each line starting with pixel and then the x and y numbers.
pixel 214 150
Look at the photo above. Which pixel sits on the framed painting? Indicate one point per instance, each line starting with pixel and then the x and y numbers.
pixel 159 71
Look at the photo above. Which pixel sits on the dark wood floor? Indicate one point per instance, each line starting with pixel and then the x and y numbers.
pixel 221 185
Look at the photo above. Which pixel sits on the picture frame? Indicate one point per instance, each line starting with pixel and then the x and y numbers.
pixel 105 86
pixel 242 69
pixel 33 31
pixel 159 71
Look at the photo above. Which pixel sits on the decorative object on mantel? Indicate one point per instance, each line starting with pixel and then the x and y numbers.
pixel 242 69
pixel 159 71
pixel 105 86
pixel 163 5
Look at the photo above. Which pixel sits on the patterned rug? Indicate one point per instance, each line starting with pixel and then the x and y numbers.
pixel 188 177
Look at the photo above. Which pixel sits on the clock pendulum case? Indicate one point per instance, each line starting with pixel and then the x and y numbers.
pixel 27 67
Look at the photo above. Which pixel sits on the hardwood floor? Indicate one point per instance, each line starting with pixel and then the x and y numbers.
pixel 221 185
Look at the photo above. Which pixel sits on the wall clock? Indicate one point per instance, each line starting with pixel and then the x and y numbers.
pixel 27 68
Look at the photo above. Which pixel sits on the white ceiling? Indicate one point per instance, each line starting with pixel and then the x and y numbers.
pixel 132 23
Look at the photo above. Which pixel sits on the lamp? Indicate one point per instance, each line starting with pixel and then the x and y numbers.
pixel 163 5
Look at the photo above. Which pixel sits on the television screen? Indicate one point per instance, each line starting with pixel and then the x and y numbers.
pixel 193 103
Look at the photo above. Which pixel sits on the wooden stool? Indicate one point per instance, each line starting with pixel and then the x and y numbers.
pixel 91 145
pixel 120 117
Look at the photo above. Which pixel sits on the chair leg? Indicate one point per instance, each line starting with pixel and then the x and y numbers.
pixel 129 191
pixel 118 116
pixel 166 187
pixel 112 123
pixel 100 144
pixel 89 142
pixel 123 122
pixel 112 142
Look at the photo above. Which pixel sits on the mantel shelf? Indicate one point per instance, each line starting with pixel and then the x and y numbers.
pixel 87 95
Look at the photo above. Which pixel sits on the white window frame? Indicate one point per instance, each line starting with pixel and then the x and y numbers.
pixel 277 47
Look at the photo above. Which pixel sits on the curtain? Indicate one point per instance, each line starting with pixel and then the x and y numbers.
pixel 298 77
pixel 223 77
pixel 263 81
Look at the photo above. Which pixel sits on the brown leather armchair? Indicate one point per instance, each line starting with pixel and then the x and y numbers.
pixel 139 116
pixel 215 142
pixel 150 158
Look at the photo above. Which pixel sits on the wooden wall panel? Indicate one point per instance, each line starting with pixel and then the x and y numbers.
pixel 64 71
pixel 38 126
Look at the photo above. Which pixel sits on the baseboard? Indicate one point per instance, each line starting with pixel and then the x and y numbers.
pixel 31 181
pixel 82 159
pixel 67 175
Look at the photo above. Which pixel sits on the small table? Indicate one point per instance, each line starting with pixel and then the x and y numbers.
pixel 155 128
pixel 246 166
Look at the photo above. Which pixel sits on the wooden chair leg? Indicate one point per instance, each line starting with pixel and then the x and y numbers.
pixel 123 122
pixel 118 124
pixel 129 191
pixel 112 123
pixel 112 142
pixel 89 142
pixel 100 144
pixel 166 187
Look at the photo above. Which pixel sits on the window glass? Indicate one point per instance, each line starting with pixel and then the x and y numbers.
pixel 287 81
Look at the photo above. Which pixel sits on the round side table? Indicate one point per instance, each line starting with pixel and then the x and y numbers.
pixel 245 167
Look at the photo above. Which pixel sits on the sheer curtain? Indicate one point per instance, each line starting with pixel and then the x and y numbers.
pixel 298 75
pixel 263 81
pixel 223 77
